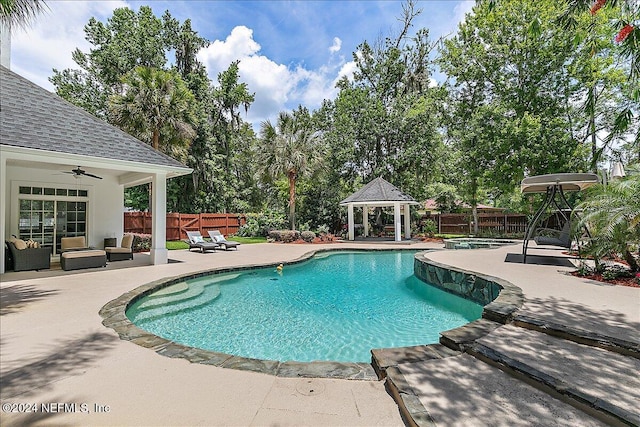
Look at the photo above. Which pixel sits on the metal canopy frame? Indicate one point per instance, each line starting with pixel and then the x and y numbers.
pixel 554 187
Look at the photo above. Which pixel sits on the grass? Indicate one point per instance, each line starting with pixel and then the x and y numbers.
pixel 179 244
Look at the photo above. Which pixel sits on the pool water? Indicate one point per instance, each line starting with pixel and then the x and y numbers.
pixel 336 306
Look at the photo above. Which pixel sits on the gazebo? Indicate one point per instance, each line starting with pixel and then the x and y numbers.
pixel 380 192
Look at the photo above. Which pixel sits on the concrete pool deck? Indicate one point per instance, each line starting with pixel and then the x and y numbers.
pixel 54 348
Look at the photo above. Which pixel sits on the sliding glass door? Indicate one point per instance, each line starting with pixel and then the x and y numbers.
pixel 47 218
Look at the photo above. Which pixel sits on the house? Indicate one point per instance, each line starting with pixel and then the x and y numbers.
pixel 63 171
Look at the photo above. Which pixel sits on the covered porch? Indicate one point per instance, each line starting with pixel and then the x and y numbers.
pixel 63 172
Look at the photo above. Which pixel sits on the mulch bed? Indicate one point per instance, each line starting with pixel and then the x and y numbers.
pixel 621 281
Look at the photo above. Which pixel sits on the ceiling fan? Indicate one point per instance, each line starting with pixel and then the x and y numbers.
pixel 78 173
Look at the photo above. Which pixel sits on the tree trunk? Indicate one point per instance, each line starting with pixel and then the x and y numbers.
pixel 156 138
pixel 592 130
pixel 633 264
pixel 474 212
pixel 474 204
pixel 292 200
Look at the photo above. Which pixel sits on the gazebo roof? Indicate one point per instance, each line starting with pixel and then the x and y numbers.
pixel 376 192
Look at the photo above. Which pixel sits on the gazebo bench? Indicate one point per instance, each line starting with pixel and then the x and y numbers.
pixel 87 258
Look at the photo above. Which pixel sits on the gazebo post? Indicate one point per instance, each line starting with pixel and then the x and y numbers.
pixel 365 220
pixel 350 221
pixel 397 222
pixel 407 222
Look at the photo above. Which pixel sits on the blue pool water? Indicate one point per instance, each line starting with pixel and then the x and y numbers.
pixel 336 306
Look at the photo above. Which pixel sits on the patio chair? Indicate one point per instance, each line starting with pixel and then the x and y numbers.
pixel 197 241
pixel 547 236
pixel 24 258
pixel 124 252
pixel 218 237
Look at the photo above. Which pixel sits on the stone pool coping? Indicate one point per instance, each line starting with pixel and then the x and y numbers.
pixel 114 317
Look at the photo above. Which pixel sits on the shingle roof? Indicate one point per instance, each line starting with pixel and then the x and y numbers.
pixel 32 117
pixel 378 190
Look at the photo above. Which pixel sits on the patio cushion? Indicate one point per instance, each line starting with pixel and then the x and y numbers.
pixel 20 244
pixel 127 241
pixel 196 239
pixel 118 250
pixel 72 243
pixel 82 254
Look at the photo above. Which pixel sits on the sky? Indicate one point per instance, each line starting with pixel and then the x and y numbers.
pixel 291 52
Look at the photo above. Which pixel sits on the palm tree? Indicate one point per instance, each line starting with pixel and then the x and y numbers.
pixel 156 108
pixel 290 148
pixel 612 214
pixel 19 13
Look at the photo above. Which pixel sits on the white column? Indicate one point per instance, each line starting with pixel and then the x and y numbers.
pixel 365 220
pixel 159 253
pixel 397 221
pixel 407 222
pixel 350 221
pixel 5 45
pixel 4 203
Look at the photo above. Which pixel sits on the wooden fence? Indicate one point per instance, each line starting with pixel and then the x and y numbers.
pixel 487 223
pixel 179 223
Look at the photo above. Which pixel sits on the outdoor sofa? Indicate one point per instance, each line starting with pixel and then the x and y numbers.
pixel 76 255
pixel 552 237
pixel 25 258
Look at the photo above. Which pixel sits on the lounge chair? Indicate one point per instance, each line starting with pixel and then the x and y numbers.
pixel 124 252
pixel 561 238
pixel 197 241
pixel 217 237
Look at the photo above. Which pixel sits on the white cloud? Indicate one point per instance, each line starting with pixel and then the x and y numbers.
pixel 277 87
pixel 55 34
pixel 461 9
pixel 336 46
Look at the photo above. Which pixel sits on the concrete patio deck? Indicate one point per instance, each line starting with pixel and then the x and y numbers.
pixel 54 349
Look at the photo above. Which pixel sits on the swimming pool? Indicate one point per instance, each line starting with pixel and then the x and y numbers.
pixel 336 306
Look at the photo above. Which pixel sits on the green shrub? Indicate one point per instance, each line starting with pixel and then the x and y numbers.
pixel 323 229
pixel 614 272
pixel 308 236
pixel 429 228
pixel 141 242
pixel 260 224
pixel 286 236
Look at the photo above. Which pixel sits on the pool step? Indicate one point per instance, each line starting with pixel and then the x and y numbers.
pixel 596 380
pixel 160 307
pixel 175 289
pixel 463 391
pixel 580 336
pixel 156 300
pixel 558 371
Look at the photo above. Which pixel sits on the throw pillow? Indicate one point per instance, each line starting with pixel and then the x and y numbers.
pixel 197 239
pixel 219 238
pixel 20 244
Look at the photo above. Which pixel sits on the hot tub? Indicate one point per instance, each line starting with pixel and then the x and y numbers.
pixel 473 243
